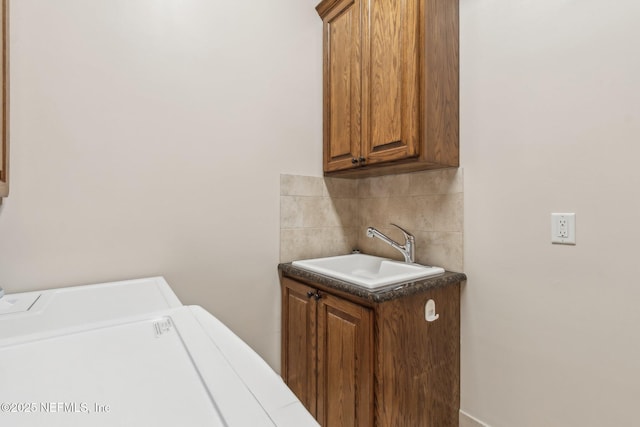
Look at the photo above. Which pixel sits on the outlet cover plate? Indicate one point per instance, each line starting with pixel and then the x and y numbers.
pixel 563 228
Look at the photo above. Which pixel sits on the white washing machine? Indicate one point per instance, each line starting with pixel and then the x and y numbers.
pixel 129 354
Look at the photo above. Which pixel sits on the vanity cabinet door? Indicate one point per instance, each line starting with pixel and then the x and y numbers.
pixel 345 363
pixel 299 341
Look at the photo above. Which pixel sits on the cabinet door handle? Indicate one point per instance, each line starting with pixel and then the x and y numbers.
pixel 315 294
pixel 362 159
pixel 354 161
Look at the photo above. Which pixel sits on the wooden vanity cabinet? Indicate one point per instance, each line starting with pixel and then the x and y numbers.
pixel 390 85
pixel 353 362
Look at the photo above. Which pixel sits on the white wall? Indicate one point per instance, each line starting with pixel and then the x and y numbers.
pixel 550 122
pixel 148 138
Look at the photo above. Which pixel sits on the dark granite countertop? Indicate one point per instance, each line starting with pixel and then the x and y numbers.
pixel 386 293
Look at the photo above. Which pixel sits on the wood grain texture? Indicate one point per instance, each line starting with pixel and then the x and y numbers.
pixel 414 364
pixel 299 342
pixel 385 69
pixel 440 75
pixel 341 89
pixel 389 168
pixel 340 61
pixel 409 99
pixel 411 54
pixel 418 383
pixel 4 101
pixel 385 72
pixel 345 364
pixel 325 6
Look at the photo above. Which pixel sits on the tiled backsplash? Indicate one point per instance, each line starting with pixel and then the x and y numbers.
pixel 318 217
pixel 329 216
pixel 427 204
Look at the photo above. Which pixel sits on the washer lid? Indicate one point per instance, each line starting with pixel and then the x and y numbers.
pixel 34 312
pixel 162 371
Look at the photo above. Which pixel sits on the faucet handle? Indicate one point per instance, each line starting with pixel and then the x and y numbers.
pixel 409 245
pixel 407 235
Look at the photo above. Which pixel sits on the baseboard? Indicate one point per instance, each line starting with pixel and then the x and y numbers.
pixel 467 420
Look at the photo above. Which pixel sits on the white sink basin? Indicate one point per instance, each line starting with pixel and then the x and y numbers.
pixel 369 271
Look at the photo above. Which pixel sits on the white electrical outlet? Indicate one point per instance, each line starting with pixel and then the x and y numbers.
pixel 563 231
pixel 563 228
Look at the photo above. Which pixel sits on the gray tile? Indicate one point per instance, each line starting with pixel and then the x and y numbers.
pixel 446 181
pixel 346 211
pixel 384 186
pixel 290 212
pixel 299 243
pixel 337 241
pixel 448 212
pixel 373 212
pixel 341 188
pixel 319 212
pixel 425 213
pixel 402 211
pixel 442 249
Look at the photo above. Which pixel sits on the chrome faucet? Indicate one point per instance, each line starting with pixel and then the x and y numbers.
pixel 409 247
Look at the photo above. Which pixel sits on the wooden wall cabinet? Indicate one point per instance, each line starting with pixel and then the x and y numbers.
pixel 4 101
pixel 354 363
pixel 390 74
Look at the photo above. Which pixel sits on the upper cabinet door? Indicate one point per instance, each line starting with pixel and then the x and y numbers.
pixel 342 68
pixel 391 87
pixel 4 102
